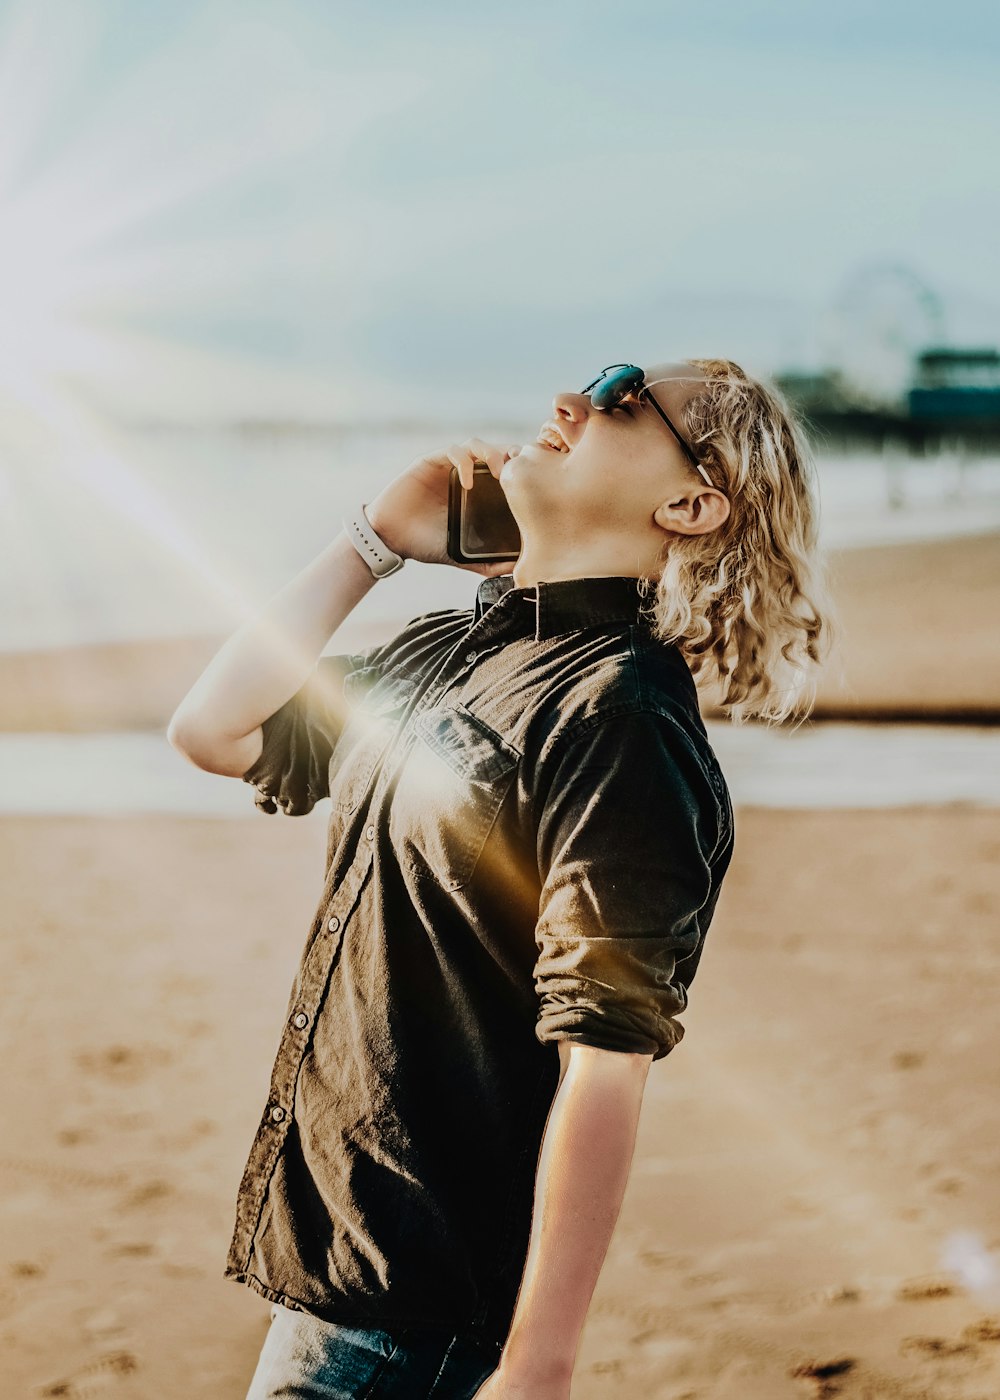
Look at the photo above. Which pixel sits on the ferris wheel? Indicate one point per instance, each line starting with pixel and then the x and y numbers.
pixel 883 315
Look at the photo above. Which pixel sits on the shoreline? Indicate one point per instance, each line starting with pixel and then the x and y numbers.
pixel 917 641
pixel 823 766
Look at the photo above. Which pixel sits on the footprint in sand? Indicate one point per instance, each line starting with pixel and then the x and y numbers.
pixel 94 1379
pixel 123 1064
pixel 133 1249
pixel 966 1345
pixel 948 1185
pixel 825 1375
pixel 705 1280
pixel 843 1293
pixel 910 1213
pixel 657 1257
pixel 928 1286
pixel 147 1193
pixel 938 1346
pixel 194 1133
pixel 987 1329
pixel 27 1268
pixel 72 1136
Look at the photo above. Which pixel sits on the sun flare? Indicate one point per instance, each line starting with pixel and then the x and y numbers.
pixel 112 257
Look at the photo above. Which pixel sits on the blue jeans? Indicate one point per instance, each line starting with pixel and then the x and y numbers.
pixel 304 1358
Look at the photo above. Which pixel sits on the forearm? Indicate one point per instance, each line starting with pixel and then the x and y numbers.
pixel 583 1171
pixel 271 655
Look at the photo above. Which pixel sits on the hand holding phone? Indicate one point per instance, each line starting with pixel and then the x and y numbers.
pixel 413 514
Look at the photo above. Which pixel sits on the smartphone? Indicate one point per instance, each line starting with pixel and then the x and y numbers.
pixel 481 527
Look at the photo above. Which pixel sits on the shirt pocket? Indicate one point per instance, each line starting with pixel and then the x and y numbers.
pixel 448 794
pixel 377 703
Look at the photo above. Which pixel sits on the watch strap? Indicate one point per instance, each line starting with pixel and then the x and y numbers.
pixel 374 551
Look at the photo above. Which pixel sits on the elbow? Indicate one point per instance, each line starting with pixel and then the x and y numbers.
pixel 188 741
pixel 213 753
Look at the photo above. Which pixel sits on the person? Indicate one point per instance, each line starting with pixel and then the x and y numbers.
pixel 528 834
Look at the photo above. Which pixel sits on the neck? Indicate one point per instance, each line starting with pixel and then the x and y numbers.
pixel 537 565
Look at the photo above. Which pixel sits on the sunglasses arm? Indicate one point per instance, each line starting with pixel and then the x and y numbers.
pixel 687 451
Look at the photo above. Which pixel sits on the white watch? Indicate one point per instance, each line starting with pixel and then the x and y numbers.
pixel 375 552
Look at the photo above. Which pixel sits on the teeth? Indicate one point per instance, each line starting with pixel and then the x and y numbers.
pixel 551 439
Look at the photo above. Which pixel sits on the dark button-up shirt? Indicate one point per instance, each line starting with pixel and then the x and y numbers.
pixel 527 835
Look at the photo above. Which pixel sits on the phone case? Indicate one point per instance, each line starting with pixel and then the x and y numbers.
pixel 456 505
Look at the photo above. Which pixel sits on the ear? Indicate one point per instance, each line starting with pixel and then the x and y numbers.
pixel 693 513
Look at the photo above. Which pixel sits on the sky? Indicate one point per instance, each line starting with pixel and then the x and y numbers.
pixel 232 209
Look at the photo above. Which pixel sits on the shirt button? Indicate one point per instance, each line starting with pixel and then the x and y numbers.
pixel 277 1113
pixel 470 656
pixel 370 833
pixel 334 924
pixel 300 1019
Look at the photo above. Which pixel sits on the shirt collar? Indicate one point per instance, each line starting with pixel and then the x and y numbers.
pixel 563 605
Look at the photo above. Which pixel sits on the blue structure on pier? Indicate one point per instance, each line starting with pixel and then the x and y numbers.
pixel 955 385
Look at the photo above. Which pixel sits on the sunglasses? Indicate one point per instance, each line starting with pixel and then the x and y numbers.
pixel 609 389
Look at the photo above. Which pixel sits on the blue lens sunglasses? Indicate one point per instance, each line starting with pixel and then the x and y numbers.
pixel 631 380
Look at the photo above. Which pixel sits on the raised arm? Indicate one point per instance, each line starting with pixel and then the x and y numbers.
pixel 218 724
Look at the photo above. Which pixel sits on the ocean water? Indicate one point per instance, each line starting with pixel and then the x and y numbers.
pixel 829 765
pixel 158 533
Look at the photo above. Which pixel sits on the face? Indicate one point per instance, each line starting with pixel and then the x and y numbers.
pixel 625 478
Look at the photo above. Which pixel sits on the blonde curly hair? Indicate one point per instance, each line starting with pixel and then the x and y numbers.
pixel 747 602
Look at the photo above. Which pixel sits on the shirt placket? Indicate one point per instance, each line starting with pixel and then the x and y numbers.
pixel 482 635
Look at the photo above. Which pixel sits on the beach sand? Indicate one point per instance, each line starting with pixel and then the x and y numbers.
pixel 917 637
pixel 812 1209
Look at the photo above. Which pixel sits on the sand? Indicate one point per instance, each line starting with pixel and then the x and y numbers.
pixel 917 638
pixel 813 1208
pixel 813 1205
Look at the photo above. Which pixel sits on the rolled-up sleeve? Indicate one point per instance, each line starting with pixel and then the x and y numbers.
pixel 624 839
pixel 293 771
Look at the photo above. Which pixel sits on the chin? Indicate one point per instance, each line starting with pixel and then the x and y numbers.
pixel 512 471
pixel 531 455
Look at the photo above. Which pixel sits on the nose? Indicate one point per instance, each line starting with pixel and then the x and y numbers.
pixel 573 407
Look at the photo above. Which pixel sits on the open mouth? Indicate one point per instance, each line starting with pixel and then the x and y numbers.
pixel 551 438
